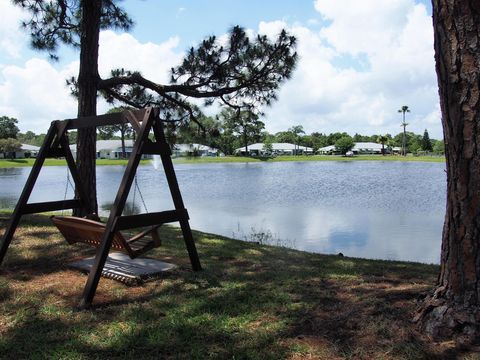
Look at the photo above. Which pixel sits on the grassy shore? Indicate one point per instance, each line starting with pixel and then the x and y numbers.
pixel 229 159
pixel 251 301
pixel 5 163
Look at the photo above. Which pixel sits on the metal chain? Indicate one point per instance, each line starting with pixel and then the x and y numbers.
pixel 141 195
pixel 66 189
pixel 69 182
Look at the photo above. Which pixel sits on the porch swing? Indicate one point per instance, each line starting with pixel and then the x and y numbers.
pixel 90 230
pixel 107 236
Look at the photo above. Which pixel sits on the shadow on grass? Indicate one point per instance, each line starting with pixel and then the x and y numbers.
pixel 250 301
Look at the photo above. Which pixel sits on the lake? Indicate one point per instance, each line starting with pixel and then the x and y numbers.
pixel 371 209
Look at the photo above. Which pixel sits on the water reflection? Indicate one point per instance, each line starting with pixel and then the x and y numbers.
pixel 382 210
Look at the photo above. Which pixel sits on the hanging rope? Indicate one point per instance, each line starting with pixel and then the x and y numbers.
pixel 137 188
pixel 69 182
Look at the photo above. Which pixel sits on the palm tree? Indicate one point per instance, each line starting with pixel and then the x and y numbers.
pixel 404 109
pixel 296 131
pixel 382 139
pixel 390 145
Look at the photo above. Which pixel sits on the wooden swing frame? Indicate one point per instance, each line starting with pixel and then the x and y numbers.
pixel 56 145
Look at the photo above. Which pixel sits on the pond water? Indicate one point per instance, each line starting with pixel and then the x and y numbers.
pixel 384 210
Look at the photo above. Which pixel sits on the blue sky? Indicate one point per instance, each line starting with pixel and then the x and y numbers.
pixel 359 60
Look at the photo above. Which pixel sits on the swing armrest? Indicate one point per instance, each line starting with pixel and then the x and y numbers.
pixel 153 230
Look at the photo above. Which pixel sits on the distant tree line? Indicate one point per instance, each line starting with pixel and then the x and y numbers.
pixel 8 136
pixel 232 129
pixel 227 134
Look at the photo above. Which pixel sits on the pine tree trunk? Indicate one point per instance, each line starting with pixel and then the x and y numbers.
pixel 453 309
pixel 245 140
pixel 87 97
pixel 123 130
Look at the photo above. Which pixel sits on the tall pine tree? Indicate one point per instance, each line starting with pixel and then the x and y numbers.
pixel 426 143
pixel 453 309
pixel 241 73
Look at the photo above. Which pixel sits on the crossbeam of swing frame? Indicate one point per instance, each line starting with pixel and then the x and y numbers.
pixel 56 143
pixel 105 120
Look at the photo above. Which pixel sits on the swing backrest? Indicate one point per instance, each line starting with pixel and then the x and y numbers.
pixel 76 229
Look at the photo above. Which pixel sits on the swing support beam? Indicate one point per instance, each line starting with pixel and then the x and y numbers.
pixel 56 145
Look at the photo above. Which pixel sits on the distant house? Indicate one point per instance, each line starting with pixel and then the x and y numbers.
pixel 179 150
pixel 367 148
pixel 112 149
pixel 396 150
pixel 327 150
pixel 277 149
pixel 25 151
pixel 373 148
pixel 360 148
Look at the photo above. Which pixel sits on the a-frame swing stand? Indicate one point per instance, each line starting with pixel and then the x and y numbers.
pixel 56 145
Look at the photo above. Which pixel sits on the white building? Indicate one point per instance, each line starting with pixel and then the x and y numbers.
pixel 327 150
pixel 194 150
pixel 112 149
pixel 277 149
pixel 25 151
pixel 368 148
pixel 360 148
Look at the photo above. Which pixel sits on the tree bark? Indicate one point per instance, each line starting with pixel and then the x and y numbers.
pixel 88 79
pixel 123 132
pixel 245 139
pixel 452 311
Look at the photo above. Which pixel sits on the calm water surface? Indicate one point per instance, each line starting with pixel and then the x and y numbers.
pixel 386 210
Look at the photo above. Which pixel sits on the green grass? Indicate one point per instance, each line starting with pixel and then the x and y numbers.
pixel 5 163
pixel 360 158
pixel 250 301
pixel 234 159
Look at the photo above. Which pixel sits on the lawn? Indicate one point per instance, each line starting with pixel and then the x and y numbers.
pixel 4 163
pixel 251 301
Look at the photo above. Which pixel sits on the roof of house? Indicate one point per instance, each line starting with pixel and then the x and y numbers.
pixel 358 147
pixel 113 144
pixel 367 146
pixel 327 148
pixel 116 145
pixel 108 145
pixel 192 147
pixel 27 147
pixel 275 147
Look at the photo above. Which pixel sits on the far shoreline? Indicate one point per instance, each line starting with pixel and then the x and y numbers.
pixel 9 163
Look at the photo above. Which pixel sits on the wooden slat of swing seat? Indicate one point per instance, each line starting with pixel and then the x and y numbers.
pixel 91 232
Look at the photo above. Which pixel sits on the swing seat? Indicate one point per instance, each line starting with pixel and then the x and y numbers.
pixel 90 232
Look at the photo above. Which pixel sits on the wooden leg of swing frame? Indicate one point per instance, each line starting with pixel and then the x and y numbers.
pixel 96 271
pixel 190 244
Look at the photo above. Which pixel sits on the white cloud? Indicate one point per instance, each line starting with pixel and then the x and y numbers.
pixel 12 38
pixel 36 93
pixel 363 26
pixel 180 11
pixel 368 59
pixel 355 72
pixel 154 61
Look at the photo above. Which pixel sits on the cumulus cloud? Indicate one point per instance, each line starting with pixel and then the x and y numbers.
pixel 359 61
pixel 36 93
pixel 358 69
pixel 11 38
pixel 124 51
